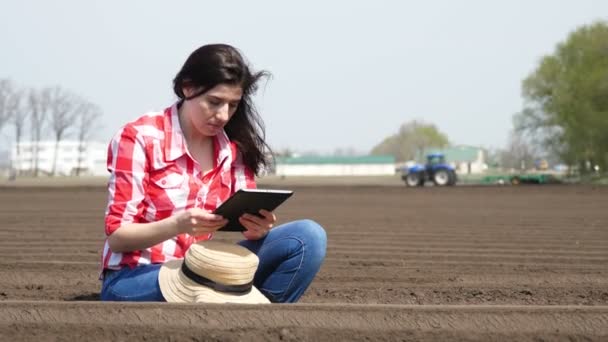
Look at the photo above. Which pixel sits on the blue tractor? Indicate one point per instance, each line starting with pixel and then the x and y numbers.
pixel 435 170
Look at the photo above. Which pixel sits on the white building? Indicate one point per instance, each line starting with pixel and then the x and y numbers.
pixel 92 157
pixel 335 166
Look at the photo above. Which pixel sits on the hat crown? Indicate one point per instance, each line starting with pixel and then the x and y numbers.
pixel 222 263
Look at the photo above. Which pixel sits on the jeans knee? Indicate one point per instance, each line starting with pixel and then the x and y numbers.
pixel 314 236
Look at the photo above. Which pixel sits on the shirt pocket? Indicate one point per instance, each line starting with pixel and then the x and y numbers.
pixel 168 192
pixel 170 181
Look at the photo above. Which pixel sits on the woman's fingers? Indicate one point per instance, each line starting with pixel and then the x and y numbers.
pixel 252 225
pixel 203 222
pixel 253 218
pixel 268 215
pixel 206 229
pixel 208 223
pixel 200 219
pixel 254 231
pixel 248 223
pixel 265 222
pixel 202 215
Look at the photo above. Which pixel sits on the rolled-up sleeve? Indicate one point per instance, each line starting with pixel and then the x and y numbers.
pixel 126 187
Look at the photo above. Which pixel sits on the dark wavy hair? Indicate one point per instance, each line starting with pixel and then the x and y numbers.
pixel 215 64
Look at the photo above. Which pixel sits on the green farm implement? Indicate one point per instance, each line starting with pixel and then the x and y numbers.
pixel 520 178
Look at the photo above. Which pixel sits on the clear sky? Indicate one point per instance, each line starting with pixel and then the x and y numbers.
pixel 346 74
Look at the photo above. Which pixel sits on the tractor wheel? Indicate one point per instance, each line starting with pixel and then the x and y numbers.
pixel 453 178
pixel 413 179
pixel 441 178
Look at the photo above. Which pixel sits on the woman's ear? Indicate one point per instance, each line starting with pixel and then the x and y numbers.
pixel 188 91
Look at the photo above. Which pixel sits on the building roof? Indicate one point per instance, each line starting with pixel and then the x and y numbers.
pixel 315 160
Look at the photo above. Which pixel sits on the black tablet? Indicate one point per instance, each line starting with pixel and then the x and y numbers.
pixel 249 201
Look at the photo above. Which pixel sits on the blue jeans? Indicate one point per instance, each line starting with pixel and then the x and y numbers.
pixel 290 257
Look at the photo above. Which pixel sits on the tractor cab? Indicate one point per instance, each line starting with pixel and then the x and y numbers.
pixel 435 159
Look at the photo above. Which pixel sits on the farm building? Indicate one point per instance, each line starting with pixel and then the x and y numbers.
pixel 465 159
pixel 92 157
pixel 335 166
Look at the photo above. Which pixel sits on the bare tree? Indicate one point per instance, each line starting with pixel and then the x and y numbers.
pixel 6 91
pixel 62 112
pixel 86 118
pixel 346 152
pixel 19 118
pixel 519 154
pixel 11 110
pixel 16 115
pixel 38 108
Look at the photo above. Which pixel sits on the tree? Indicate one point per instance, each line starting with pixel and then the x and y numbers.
pixel 346 152
pixel 19 118
pixel 60 109
pixel 519 154
pixel 411 141
pixel 87 115
pixel 566 101
pixel 62 105
pixel 11 110
pixel 38 108
pixel 5 90
pixel 9 99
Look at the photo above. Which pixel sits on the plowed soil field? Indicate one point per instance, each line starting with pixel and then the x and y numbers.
pixel 524 263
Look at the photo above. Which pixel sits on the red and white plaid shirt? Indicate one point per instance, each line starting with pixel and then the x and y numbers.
pixel 153 176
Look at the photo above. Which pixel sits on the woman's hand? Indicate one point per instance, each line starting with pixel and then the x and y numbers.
pixel 197 221
pixel 138 236
pixel 257 227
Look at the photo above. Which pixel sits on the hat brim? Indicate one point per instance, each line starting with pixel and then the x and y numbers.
pixel 177 288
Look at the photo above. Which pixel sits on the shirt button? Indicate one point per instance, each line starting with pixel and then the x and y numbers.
pixel 164 182
pixel 200 199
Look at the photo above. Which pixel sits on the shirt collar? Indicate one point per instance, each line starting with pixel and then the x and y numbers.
pixel 222 150
pixel 175 145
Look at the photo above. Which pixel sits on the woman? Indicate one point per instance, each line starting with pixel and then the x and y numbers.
pixel 170 170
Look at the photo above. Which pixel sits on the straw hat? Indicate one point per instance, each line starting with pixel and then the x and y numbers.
pixel 211 272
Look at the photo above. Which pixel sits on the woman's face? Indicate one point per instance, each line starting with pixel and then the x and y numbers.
pixel 210 112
